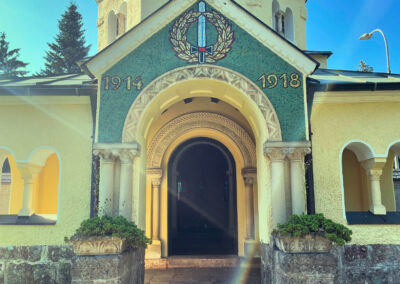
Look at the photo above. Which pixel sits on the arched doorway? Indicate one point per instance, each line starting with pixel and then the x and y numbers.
pixel 202 199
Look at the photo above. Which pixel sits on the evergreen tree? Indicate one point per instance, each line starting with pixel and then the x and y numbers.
pixel 10 66
pixel 69 46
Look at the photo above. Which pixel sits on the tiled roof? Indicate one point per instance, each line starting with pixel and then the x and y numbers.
pixel 61 80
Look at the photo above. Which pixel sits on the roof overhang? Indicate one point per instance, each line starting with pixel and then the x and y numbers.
pixel 136 36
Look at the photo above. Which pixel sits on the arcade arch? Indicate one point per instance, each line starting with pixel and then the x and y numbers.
pixel 200 125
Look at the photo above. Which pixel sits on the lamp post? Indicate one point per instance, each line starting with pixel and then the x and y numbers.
pixel 369 35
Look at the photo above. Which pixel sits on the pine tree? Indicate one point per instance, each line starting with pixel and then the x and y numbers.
pixel 69 46
pixel 10 66
pixel 363 67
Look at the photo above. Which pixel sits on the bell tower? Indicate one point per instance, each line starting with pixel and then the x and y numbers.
pixel 115 17
pixel 286 17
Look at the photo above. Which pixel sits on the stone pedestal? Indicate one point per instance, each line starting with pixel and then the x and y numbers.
pixel 154 250
pixel 127 267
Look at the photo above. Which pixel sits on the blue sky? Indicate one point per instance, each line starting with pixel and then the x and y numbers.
pixel 333 25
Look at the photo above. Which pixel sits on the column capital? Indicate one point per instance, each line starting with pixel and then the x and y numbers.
pixel 298 154
pixel 110 151
pixel 249 172
pixel 28 170
pixel 104 154
pixel 249 175
pixel 279 150
pixel 126 155
pixel 374 167
pixel 155 174
pixel 276 153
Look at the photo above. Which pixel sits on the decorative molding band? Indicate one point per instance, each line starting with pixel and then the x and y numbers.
pixel 238 81
pixel 116 150
pixel 185 123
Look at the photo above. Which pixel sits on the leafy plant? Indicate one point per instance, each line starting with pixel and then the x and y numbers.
pixel 117 227
pixel 315 224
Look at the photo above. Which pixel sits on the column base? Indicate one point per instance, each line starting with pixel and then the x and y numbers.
pixel 154 250
pixel 378 209
pixel 251 248
pixel 25 212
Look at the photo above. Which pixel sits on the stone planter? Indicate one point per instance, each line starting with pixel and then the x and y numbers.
pixel 98 245
pixel 307 244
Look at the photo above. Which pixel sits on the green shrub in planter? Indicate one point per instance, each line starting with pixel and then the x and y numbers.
pixel 316 224
pixel 116 227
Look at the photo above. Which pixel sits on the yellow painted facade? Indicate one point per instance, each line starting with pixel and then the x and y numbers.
pixel 56 132
pixel 366 122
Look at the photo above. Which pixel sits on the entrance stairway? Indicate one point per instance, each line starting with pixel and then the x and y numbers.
pixel 202 269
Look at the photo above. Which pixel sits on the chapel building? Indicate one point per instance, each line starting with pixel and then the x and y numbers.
pixel 206 123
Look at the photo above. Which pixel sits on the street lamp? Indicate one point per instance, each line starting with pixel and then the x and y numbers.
pixel 369 35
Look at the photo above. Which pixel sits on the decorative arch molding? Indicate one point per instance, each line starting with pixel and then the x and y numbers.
pixel 234 79
pixel 187 122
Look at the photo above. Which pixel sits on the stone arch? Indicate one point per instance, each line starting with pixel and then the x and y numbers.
pixel 187 122
pixel 234 79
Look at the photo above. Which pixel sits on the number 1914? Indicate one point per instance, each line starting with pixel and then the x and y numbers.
pixel 272 80
pixel 115 82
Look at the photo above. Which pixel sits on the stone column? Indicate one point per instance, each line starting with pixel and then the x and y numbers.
pixel 28 173
pixel 249 175
pixel 374 169
pixel 155 185
pixel 106 184
pixel 297 179
pixel 277 155
pixel 126 157
pixel 154 251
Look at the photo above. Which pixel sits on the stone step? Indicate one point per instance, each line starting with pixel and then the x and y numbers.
pixel 202 269
pixel 201 262
pixel 221 275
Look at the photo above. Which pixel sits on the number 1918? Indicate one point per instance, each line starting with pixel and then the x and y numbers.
pixel 271 81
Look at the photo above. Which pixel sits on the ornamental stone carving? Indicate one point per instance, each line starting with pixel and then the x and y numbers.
pixel 155 174
pixel 234 79
pixel 294 151
pixel 297 154
pixel 276 154
pixel 98 245
pixel 110 152
pixel 187 122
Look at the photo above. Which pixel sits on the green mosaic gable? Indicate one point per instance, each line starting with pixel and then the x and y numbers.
pixel 156 57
